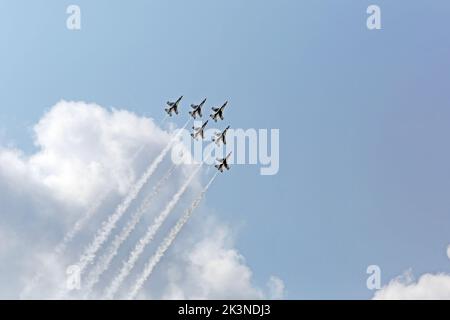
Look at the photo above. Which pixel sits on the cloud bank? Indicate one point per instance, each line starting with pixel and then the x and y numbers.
pixel 81 152
pixel 427 287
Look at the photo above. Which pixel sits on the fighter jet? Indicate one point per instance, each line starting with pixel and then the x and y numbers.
pixel 223 163
pixel 173 106
pixel 220 136
pixel 197 109
pixel 218 112
pixel 199 131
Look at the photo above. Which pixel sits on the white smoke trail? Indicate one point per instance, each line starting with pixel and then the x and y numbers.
pixel 113 249
pixel 107 226
pixel 165 245
pixel 62 246
pixel 163 120
pixel 77 227
pixel 146 239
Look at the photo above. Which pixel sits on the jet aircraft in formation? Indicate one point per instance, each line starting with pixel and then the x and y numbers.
pixel 221 136
pixel 223 163
pixel 199 132
pixel 218 112
pixel 197 109
pixel 173 106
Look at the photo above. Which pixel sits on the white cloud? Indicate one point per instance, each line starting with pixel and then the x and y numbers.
pixel 82 150
pixel 428 287
pixel 448 251
pixel 276 288
pixel 84 140
pixel 213 269
pixel 7 240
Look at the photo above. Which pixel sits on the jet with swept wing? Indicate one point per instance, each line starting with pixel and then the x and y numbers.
pixel 218 112
pixel 173 106
pixel 223 163
pixel 220 136
pixel 197 109
pixel 199 131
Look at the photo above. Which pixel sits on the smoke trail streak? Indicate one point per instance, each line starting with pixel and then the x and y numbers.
pixel 107 226
pixel 146 239
pixel 78 226
pixel 62 246
pixel 113 249
pixel 163 120
pixel 165 245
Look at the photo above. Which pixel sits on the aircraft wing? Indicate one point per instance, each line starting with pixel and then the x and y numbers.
pixel 224 140
pixel 200 112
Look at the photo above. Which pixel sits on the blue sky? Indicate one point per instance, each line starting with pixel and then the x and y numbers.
pixel 363 117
